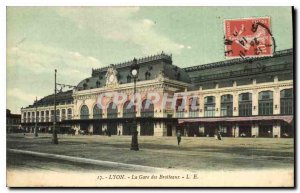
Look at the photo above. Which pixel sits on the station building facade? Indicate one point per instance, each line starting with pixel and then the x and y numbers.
pixel 239 98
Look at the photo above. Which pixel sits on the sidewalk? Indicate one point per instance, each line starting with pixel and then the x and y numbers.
pixel 116 165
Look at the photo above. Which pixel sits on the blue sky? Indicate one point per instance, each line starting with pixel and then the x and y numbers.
pixel 76 39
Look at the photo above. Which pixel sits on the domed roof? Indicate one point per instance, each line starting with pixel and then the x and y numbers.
pixel 149 68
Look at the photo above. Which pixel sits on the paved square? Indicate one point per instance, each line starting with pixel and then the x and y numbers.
pixel 194 153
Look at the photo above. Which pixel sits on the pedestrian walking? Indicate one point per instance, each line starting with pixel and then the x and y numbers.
pixel 178 137
pixel 219 136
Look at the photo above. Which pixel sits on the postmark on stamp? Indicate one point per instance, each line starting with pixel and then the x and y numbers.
pixel 247 38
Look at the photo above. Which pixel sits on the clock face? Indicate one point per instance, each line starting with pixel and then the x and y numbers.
pixel 111 78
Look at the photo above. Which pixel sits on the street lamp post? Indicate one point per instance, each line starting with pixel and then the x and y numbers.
pixel 54 136
pixel 134 139
pixel 35 125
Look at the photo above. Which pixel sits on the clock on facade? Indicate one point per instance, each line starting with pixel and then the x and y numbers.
pixel 111 77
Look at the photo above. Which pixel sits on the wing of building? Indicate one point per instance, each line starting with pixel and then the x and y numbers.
pixel 238 98
pixel 13 122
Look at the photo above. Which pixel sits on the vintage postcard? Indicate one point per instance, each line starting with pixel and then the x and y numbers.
pixel 150 97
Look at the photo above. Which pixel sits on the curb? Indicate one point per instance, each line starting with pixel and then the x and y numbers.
pixel 110 164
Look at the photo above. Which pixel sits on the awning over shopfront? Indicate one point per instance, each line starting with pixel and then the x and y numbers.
pixel 285 118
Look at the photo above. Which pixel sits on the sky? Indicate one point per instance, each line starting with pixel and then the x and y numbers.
pixel 74 40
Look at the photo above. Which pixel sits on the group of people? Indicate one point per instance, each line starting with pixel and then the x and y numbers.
pixel 108 132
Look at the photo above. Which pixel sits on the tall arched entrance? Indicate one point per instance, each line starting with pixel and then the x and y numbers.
pixel 97 116
pixel 84 114
pixel 112 112
pixel 128 112
pixel 147 110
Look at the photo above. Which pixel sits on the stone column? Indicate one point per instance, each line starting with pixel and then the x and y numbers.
pixel 160 129
pixel 120 112
pixel 235 131
pixel 158 112
pixel 90 128
pixel 104 113
pixel 201 130
pixel 138 128
pixel 104 127
pixel 218 105
pixel 276 101
pixel 138 112
pixel 255 102
pixel 276 130
pixel 235 104
pixel 201 103
pixel 254 130
pixel 186 108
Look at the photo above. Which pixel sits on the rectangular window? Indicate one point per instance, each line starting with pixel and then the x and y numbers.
pixel 180 114
pixel 209 111
pixel 194 114
pixel 248 109
pixel 265 108
pixel 226 110
pixel 286 107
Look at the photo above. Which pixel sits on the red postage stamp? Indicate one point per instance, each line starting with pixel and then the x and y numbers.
pixel 249 37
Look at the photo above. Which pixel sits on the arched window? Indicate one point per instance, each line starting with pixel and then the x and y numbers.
pixel 286 101
pixel 112 110
pixel 84 112
pixel 128 112
pixel 128 78
pixel 245 104
pixel 97 84
pixel 147 108
pixel 147 75
pixel 226 105
pixel 85 86
pixel 128 109
pixel 69 113
pixel 265 103
pixel 209 106
pixel 194 106
pixel 97 112
pixel 179 107
pixel 178 76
